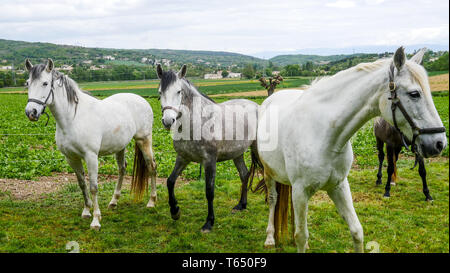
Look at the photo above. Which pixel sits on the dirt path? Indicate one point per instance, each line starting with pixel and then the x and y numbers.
pixel 38 189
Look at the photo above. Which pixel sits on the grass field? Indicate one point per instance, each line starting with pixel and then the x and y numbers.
pixel 403 223
pixel 149 88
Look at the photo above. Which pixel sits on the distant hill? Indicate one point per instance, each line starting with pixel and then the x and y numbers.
pixel 17 51
pixel 302 59
pixel 374 49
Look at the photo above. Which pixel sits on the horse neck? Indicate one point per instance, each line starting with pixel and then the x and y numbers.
pixel 195 102
pixel 195 99
pixel 350 100
pixel 62 110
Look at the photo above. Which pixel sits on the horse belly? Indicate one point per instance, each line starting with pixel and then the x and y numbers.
pixel 118 131
pixel 231 149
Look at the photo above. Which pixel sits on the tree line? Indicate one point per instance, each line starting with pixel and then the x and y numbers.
pixel 112 72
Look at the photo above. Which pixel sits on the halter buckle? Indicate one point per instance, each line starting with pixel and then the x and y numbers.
pixel 392 86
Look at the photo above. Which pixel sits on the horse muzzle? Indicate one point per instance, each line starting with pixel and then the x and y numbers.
pixel 168 122
pixel 431 145
pixel 32 114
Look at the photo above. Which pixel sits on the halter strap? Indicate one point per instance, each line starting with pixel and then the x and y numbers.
pixel 172 108
pixel 44 103
pixel 396 103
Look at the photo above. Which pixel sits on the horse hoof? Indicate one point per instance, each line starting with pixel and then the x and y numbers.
pixel 176 216
pixel 151 203
pixel 430 200
pixel 270 243
pixel 378 183
pixel 237 208
pixel 386 195
pixel 205 231
pixel 95 225
pixel 207 227
pixel 86 214
pixel 112 205
pixel 392 183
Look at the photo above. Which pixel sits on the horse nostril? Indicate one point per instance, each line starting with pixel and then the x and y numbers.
pixel 34 112
pixel 439 146
pixel 173 120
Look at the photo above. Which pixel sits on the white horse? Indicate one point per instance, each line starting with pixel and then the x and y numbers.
pixel 87 128
pixel 313 129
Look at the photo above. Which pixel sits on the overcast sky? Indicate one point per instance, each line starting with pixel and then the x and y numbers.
pixel 242 26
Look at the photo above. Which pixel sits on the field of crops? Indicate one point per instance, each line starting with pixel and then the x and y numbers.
pixel 149 88
pixel 403 223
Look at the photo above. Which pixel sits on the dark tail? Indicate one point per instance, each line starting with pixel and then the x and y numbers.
pixel 394 174
pixel 139 181
pixel 256 168
pixel 284 193
pixel 284 198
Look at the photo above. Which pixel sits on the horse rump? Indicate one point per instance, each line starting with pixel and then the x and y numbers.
pixel 139 180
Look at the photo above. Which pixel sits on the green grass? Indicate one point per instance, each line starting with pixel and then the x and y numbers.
pixel 148 87
pixel 403 223
pixel 434 73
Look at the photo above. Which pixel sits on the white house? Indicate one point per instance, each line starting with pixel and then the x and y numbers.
pixel 65 67
pixel 234 75
pixel 213 76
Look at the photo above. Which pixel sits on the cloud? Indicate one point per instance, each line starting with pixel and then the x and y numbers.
pixel 234 25
pixel 343 4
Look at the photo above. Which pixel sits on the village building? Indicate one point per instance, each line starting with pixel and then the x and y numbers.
pixel 234 75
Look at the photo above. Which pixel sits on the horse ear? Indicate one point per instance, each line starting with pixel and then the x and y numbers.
pixel 50 65
pixel 418 57
pixel 399 58
pixel 28 65
pixel 159 71
pixel 182 71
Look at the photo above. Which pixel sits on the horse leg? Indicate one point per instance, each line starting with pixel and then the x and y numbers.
pixel 342 198
pixel 272 199
pixel 92 166
pixel 121 163
pixel 423 175
pixel 380 146
pixel 210 177
pixel 300 203
pixel 77 165
pixel 244 175
pixel 390 170
pixel 180 164
pixel 147 151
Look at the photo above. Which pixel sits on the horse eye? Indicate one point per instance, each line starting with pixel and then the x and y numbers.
pixel 414 94
pixel 179 92
pixel 45 83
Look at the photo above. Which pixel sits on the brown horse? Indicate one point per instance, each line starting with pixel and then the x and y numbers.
pixel 386 133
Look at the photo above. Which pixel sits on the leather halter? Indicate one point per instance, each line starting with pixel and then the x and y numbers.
pixel 172 108
pixel 396 103
pixel 44 103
